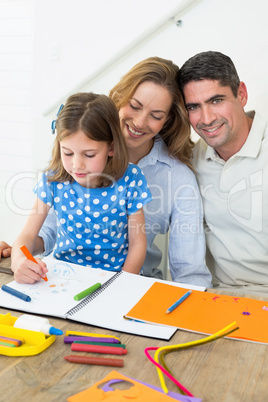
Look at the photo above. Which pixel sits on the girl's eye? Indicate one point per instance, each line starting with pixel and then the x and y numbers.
pixel 67 154
pixel 90 156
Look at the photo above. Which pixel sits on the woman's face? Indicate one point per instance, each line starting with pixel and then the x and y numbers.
pixel 144 115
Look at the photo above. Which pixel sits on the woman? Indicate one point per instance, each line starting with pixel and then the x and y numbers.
pixel 156 128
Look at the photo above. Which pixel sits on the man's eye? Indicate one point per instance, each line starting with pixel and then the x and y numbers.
pixel 191 108
pixel 216 101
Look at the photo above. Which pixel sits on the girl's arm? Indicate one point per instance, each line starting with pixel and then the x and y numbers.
pixel 26 271
pixel 137 243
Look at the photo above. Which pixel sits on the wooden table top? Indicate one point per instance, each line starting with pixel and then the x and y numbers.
pixel 224 371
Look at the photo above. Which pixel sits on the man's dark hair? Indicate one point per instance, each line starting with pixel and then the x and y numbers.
pixel 209 66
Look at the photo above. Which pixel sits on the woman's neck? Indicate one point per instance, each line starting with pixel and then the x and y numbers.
pixel 136 154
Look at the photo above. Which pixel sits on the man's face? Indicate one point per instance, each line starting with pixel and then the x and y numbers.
pixel 216 114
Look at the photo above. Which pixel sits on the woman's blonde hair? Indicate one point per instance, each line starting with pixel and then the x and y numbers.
pixel 176 130
pixel 97 117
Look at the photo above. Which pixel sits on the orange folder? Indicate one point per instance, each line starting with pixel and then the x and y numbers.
pixel 203 312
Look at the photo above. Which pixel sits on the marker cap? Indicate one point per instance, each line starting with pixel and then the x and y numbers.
pixel 55 331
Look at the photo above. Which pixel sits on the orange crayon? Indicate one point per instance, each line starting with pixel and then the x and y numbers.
pixel 27 254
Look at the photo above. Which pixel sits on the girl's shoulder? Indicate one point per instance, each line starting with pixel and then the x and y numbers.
pixel 133 169
pixel 45 180
pixel 132 176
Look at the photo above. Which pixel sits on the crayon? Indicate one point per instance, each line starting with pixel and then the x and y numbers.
pixel 87 292
pixel 71 339
pixel 113 345
pixel 100 361
pixel 78 347
pixel 7 344
pixel 16 293
pixel 78 333
pixel 15 343
pixel 27 254
pixel 6 338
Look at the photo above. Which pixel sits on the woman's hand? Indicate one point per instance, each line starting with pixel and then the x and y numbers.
pixel 5 249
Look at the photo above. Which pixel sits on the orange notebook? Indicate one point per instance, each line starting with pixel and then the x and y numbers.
pixel 203 312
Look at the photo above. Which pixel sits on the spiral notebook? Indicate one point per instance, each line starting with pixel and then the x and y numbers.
pixel 105 308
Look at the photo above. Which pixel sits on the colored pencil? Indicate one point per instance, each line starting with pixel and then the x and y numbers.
pixel 178 302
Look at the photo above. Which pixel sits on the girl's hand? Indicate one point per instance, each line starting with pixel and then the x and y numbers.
pixel 5 249
pixel 26 271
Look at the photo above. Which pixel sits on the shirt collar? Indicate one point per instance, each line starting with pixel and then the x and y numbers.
pixel 159 153
pixel 253 143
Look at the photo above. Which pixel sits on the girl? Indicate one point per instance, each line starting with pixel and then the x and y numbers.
pixel 97 196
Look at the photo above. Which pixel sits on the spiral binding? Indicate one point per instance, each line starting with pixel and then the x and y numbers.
pixel 93 295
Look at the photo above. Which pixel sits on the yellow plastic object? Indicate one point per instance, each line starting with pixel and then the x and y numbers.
pixel 34 342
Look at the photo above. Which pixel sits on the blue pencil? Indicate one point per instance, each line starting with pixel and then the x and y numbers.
pixel 178 302
pixel 16 293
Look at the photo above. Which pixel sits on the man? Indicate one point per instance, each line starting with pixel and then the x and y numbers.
pixel 231 162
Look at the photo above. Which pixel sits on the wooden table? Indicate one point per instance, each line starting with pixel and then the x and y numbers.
pixel 225 370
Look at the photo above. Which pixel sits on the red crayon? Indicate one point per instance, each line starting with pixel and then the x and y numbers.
pixel 100 361
pixel 79 347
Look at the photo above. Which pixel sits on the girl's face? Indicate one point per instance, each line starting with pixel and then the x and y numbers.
pixel 84 159
pixel 144 115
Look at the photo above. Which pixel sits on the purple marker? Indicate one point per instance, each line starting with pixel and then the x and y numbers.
pixel 72 338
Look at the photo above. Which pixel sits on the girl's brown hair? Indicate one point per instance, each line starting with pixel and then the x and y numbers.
pixel 97 117
pixel 176 130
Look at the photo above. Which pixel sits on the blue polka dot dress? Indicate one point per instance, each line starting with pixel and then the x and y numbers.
pixel 92 224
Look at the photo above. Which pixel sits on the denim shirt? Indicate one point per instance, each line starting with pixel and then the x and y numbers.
pixel 176 208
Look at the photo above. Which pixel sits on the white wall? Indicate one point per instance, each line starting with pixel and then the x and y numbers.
pixel 87 41
pixel 73 38
pixel 16 99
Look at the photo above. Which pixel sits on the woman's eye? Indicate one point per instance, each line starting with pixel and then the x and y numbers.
pixel 133 107
pixel 156 118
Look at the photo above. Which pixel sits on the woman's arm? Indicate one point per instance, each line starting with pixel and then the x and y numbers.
pixel 26 271
pixel 137 243
pixel 5 249
pixel 186 237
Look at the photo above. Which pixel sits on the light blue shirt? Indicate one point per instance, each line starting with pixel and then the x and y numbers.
pixel 176 207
